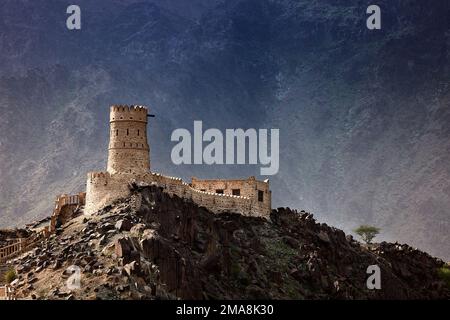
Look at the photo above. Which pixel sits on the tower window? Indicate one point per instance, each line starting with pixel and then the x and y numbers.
pixel 220 191
pixel 236 192
pixel 138 132
pixel 128 132
pixel 117 132
pixel 260 196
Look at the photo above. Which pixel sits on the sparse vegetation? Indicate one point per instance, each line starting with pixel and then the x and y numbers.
pixel 444 274
pixel 278 251
pixel 10 275
pixel 42 293
pixel 367 233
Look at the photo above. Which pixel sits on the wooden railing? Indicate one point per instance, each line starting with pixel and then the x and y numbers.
pixel 22 245
pixel 11 249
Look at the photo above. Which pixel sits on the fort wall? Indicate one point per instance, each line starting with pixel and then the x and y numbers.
pixel 103 188
pixel 257 191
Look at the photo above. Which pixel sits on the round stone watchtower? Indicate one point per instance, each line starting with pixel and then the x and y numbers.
pixel 128 150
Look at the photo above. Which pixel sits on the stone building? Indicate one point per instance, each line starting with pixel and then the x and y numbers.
pixel 129 160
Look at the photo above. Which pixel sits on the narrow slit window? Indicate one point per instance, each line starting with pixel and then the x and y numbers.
pixel 117 132
pixel 128 131
pixel 138 132
pixel 260 196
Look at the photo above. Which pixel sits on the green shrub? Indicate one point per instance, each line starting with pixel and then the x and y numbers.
pixel 280 253
pixel 444 274
pixel 10 275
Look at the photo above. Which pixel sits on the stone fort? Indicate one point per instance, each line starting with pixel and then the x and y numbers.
pixel 129 160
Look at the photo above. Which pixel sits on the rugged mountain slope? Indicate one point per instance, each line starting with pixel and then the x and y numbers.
pixel 363 115
pixel 154 246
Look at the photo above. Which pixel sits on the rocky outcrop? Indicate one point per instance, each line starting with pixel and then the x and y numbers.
pixel 166 247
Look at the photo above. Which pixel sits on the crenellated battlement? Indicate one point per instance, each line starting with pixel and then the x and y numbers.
pixel 128 113
pixel 125 108
pixel 98 175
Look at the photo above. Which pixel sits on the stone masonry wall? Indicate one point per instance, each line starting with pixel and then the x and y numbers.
pixel 247 187
pixel 103 188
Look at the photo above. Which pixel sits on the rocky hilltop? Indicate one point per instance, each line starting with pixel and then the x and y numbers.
pixel 153 246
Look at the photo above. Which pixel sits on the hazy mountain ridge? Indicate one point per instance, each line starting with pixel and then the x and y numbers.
pixel 363 115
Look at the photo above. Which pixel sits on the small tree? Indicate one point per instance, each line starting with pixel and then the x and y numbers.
pixel 367 233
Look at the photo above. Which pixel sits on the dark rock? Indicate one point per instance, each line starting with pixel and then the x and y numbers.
pixel 122 288
pixel 132 268
pixel 123 247
pixel 254 292
pixel 212 264
pixel 102 240
pixel 324 237
pixel 106 227
pixel 124 225
pixel 290 241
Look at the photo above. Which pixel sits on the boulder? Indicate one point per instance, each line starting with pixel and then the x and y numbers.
pixel 292 242
pixel 124 250
pixel 123 247
pixel 124 225
pixel 132 268
pixel 323 237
